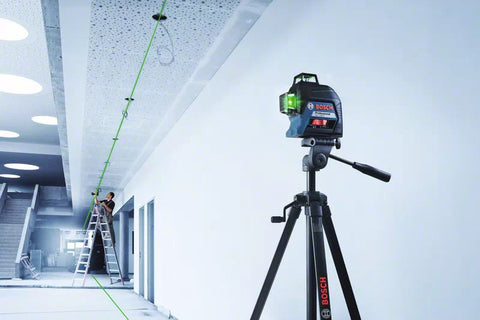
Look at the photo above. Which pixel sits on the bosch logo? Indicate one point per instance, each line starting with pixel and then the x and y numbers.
pixel 324 291
pixel 310 106
pixel 324 107
pixel 325 314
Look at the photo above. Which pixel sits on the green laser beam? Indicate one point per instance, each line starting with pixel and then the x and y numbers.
pixel 116 305
pixel 124 115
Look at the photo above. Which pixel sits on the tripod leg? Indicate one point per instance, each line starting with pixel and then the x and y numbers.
pixel 277 258
pixel 340 264
pixel 316 230
pixel 311 277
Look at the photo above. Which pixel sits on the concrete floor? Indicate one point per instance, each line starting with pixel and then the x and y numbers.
pixel 73 304
pixel 63 279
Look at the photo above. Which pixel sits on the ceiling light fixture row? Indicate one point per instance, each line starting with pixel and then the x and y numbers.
pixel 46 120
pixel 13 84
pixel 17 166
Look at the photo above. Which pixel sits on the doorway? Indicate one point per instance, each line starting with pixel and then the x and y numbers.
pixel 141 257
pixel 150 252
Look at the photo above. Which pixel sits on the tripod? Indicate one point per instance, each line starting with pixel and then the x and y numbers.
pixel 319 221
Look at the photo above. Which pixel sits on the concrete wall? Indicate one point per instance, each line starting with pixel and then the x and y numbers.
pixel 406 74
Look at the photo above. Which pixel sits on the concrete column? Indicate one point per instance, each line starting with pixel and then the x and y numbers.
pixel 123 237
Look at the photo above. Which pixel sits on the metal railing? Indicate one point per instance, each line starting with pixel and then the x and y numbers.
pixel 28 226
pixel 3 195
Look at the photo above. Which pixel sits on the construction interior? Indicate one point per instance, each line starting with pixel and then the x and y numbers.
pixel 172 106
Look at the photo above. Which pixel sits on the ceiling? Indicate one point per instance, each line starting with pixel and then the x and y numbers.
pixel 50 172
pixel 37 144
pixel 189 47
pixel 86 55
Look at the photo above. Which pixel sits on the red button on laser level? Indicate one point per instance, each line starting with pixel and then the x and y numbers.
pixel 319 122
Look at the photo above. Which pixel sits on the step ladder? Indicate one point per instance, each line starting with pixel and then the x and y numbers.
pixel 29 266
pixel 98 223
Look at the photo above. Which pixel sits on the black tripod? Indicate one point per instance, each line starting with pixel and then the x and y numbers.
pixel 319 219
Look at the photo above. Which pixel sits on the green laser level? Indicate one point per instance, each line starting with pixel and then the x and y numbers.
pixel 314 110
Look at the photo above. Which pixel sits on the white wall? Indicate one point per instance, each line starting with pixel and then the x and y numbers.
pixel 406 72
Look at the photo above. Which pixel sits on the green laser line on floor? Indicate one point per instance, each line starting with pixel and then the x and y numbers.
pixel 116 305
pixel 125 112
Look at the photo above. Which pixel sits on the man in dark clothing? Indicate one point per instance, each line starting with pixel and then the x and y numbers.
pixel 108 205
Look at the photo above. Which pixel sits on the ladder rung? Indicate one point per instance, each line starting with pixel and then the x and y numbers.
pixel 112 262
pixel 83 262
pixel 85 254
pixel 114 270
pixel 109 254
pixel 80 271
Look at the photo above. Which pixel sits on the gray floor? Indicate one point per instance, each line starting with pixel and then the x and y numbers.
pixel 73 304
pixel 63 280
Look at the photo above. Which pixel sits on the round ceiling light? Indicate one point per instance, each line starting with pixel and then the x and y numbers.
pixel 12 31
pixel 50 121
pixel 21 166
pixel 10 83
pixel 8 134
pixel 9 176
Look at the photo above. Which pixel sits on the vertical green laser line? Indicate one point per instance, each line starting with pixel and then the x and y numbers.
pixel 109 297
pixel 124 115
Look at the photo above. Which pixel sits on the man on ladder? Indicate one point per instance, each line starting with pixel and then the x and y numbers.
pixel 108 204
pixel 101 211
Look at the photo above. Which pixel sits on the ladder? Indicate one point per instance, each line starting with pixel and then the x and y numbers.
pixel 98 223
pixel 29 266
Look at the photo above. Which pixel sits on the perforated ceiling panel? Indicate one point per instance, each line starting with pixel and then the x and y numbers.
pixel 119 34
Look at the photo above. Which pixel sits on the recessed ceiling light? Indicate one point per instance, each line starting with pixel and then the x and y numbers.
pixel 50 121
pixel 21 166
pixel 9 176
pixel 12 31
pixel 10 83
pixel 8 134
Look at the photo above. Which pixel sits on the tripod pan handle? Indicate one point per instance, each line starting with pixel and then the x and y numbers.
pixel 371 171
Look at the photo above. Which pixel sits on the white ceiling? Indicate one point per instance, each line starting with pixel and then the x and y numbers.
pixel 200 34
pixel 27 58
pixel 38 144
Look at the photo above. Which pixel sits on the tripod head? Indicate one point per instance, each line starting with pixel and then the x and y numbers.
pixel 320 153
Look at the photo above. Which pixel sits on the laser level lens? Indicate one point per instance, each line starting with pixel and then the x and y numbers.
pixel 292 101
pixel 289 103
